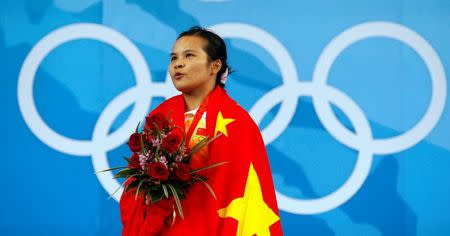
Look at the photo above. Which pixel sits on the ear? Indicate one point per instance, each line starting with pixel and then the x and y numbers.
pixel 215 66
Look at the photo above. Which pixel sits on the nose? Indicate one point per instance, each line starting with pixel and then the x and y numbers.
pixel 178 64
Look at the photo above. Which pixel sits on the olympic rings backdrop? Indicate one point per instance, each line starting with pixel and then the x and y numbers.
pixel 351 98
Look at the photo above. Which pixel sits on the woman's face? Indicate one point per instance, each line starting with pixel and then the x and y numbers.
pixel 190 69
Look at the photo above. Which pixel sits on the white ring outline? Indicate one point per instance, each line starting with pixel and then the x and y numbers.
pixel 35 57
pixel 104 123
pixel 285 63
pixel 364 160
pixel 38 53
pixel 253 34
pixel 291 89
pixel 404 35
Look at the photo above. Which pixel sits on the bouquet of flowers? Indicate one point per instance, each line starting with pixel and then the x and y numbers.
pixel 159 165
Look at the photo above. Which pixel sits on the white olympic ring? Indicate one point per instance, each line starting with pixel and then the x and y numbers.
pixel 288 94
pixel 101 142
pixel 336 129
pixel 38 54
pixel 404 35
pixel 363 163
pixel 284 62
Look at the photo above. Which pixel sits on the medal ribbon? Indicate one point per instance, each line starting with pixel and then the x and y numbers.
pixel 197 117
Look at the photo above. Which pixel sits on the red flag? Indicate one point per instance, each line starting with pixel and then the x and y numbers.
pixel 246 203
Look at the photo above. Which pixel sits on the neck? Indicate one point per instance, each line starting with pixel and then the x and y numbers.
pixel 195 99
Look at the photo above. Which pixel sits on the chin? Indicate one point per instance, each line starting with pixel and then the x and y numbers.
pixel 181 88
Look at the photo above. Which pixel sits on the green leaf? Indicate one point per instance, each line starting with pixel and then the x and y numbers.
pixel 144 149
pixel 138 187
pixel 115 191
pixel 177 200
pixel 157 154
pixel 207 186
pixel 199 145
pixel 156 197
pixel 209 167
pixel 137 127
pixel 115 168
pixel 132 185
pixel 157 130
pixel 127 159
pixel 125 172
pixel 166 193
pixel 204 142
pixel 153 188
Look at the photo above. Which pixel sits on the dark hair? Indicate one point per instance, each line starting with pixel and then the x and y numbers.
pixel 215 48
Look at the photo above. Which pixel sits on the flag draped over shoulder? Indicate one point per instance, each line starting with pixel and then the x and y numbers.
pixel 246 203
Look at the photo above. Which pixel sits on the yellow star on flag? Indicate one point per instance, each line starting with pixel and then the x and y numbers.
pixel 221 124
pixel 251 212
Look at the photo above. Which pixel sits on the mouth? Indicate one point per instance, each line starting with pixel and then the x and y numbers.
pixel 178 75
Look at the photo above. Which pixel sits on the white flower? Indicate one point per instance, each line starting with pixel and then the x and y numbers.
pixel 163 159
pixel 156 142
pixel 142 160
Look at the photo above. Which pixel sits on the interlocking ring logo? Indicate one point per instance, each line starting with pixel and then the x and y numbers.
pixel 287 94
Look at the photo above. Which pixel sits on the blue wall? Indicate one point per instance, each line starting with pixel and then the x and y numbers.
pixel 351 97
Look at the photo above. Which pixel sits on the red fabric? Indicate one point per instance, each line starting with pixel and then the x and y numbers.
pixel 244 145
pixel 201 131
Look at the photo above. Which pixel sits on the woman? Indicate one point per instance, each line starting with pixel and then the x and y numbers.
pixel 246 203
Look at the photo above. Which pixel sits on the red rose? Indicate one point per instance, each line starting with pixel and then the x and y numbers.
pixel 157 119
pixel 165 124
pixel 183 172
pixel 134 161
pixel 171 142
pixel 158 170
pixel 135 142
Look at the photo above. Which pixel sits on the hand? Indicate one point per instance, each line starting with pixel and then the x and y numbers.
pixel 147 199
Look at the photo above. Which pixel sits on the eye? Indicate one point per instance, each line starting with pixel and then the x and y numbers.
pixel 189 54
pixel 173 58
